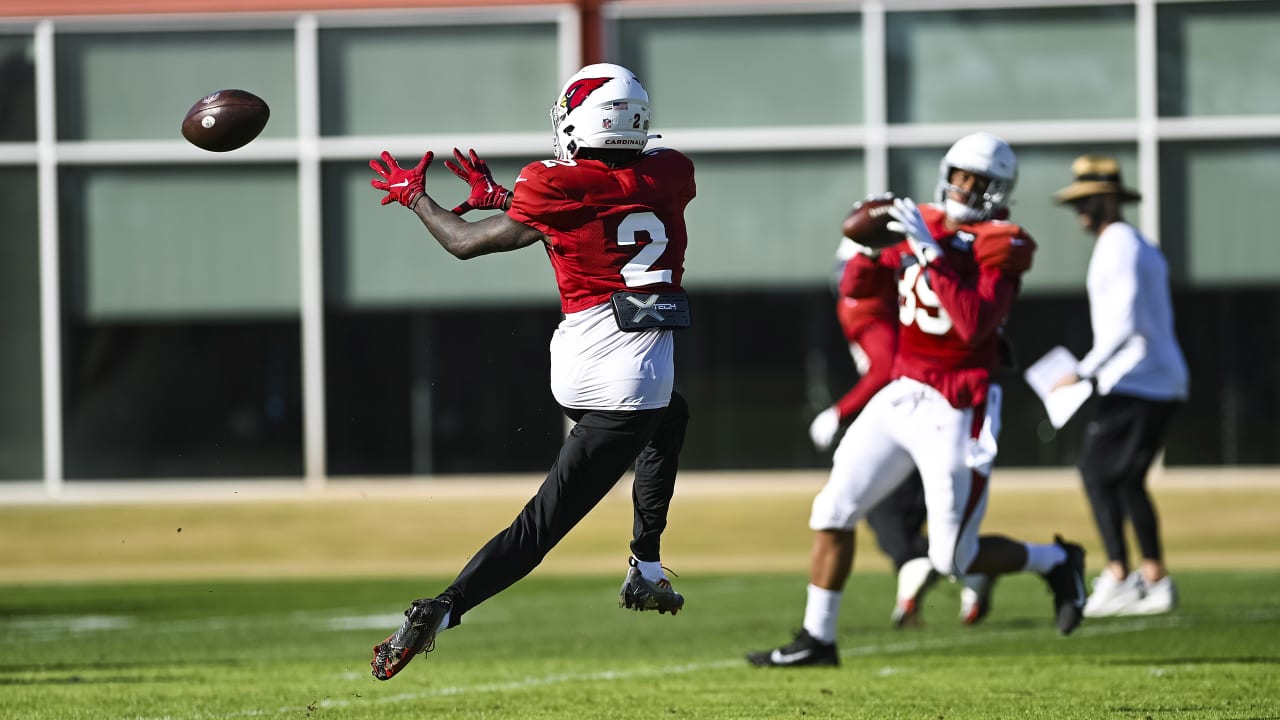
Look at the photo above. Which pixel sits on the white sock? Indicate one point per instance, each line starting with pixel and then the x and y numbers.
pixel 444 622
pixel 1042 558
pixel 651 571
pixel 821 612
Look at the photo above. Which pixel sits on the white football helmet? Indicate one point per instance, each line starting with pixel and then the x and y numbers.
pixel 981 154
pixel 602 106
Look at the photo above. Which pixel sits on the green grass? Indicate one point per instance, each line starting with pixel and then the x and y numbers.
pixel 558 647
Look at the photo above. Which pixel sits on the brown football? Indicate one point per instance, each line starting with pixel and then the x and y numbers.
pixel 225 120
pixel 868 225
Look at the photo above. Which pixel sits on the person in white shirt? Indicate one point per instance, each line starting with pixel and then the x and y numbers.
pixel 1140 376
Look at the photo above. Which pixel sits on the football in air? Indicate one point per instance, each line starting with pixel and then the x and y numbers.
pixel 225 120
pixel 869 224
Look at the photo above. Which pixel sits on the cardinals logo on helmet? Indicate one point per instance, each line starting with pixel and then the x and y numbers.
pixel 577 93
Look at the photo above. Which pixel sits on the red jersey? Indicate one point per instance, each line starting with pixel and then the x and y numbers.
pixel 871 323
pixel 607 228
pixel 879 300
pixel 950 314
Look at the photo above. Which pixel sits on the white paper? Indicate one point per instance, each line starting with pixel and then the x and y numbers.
pixel 1062 403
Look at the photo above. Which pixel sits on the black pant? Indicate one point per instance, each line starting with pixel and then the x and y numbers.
pixel 1120 443
pixel 898 520
pixel 601 447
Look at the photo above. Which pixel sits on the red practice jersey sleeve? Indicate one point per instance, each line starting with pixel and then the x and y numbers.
pixel 876 298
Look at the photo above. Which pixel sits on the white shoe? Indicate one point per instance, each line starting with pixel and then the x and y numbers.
pixel 1111 597
pixel 975 598
pixel 1159 597
pixel 915 577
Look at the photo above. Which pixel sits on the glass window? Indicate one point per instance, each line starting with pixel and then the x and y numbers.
pixel 1062 248
pixel 138 86
pixel 165 399
pixel 454 390
pixel 382 256
pixel 1043 64
pixel 21 453
pixel 17 89
pixel 412 80
pixel 1232 416
pixel 181 241
pixel 1219 58
pixel 1211 196
pixel 769 218
pixel 709 72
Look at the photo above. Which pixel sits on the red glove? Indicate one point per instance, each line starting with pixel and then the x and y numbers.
pixel 403 185
pixel 485 193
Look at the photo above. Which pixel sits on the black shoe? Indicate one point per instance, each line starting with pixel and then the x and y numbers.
pixel 416 635
pixel 639 593
pixel 804 650
pixel 1066 580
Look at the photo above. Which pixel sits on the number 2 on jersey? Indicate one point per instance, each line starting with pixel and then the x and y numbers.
pixel 637 273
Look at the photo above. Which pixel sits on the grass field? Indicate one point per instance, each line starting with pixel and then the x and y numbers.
pixel 107 611
pixel 558 647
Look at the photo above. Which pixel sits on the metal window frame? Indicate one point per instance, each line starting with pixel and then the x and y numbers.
pixel 307 149
pixel 875 137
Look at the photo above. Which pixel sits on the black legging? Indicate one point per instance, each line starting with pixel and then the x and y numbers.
pixel 1121 442
pixel 601 447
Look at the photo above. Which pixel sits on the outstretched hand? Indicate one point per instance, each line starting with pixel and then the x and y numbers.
pixel 908 221
pixel 403 185
pixel 486 194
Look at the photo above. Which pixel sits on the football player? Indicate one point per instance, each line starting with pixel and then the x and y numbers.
pixel 958 271
pixel 610 216
pixel 870 326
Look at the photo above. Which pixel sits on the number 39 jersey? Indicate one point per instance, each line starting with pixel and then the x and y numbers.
pixel 607 228
pixel 951 313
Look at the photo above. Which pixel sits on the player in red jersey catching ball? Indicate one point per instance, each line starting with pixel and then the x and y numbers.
pixel 958 271
pixel 610 216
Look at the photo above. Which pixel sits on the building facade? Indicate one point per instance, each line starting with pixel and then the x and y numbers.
pixel 172 313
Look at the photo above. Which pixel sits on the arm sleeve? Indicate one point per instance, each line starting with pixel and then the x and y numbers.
pixel 976 311
pixel 1003 252
pixel 536 201
pixel 862 274
pixel 1112 292
pixel 880 342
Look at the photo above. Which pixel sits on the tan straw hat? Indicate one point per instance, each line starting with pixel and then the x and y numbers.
pixel 1095 175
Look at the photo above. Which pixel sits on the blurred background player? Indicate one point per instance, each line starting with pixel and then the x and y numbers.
pixel 1140 377
pixel 959 272
pixel 611 219
pixel 870 327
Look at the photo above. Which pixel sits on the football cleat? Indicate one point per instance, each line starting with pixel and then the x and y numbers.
pixel 914 578
pixel 804 650
pixel 1066 581
pixel 975 598
pixel 417 635
pixel 640 594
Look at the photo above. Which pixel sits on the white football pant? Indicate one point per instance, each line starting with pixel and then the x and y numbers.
pixel 909 423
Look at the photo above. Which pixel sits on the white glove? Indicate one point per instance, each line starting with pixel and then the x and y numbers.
pixel 823 429
pixel 908 221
